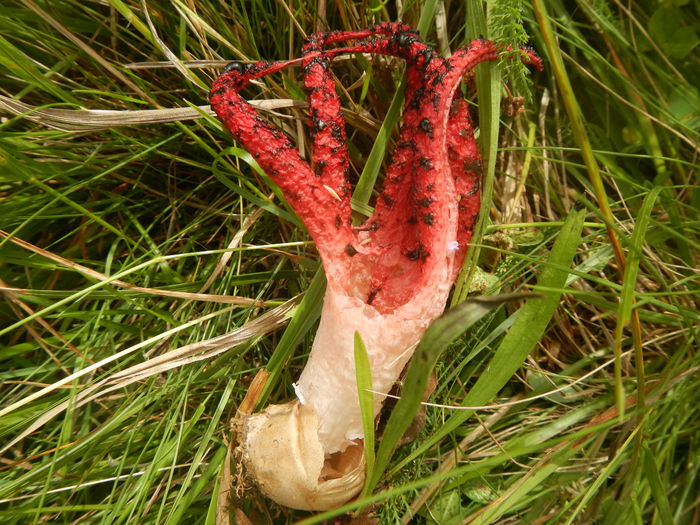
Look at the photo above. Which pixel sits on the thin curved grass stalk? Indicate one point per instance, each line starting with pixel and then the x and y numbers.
pixel 98 119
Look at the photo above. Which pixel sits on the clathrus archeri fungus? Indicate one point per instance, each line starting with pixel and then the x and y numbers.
pixel 389 277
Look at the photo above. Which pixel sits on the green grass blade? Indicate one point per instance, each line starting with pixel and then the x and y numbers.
pixel 515 495
pixel 187 492
pixel 303 319
pixel 488 90
pixel 658 491
pixel 604 475
pixel 592 168
pixel 251 194
pixel 159 205
pixel 363 375
pixel 471 470
pixel 627 295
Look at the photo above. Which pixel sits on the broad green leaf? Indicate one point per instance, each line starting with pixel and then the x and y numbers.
pixel 667 27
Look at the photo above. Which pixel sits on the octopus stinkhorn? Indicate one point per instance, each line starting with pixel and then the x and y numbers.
pixel 389 277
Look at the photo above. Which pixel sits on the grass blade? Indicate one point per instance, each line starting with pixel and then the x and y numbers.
pixel 363 373
pixel 592 168
pixel 303 318
pixel 488 90
pixel 627 296
pixel 370 172
pixel 658 492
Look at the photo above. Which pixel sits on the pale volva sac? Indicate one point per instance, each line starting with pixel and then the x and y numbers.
pixel 282 452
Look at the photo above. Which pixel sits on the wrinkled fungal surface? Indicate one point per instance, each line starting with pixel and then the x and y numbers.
pixel 389 277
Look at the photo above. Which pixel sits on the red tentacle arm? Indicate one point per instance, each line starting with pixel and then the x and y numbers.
pixel 329 149
pixel 324 212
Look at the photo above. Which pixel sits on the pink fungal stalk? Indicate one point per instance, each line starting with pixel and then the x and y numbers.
pixel 388 278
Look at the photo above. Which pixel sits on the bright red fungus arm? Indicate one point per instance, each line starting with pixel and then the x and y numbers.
pixel 388 278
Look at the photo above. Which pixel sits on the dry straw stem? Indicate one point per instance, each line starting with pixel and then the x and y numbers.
pixel 99 119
